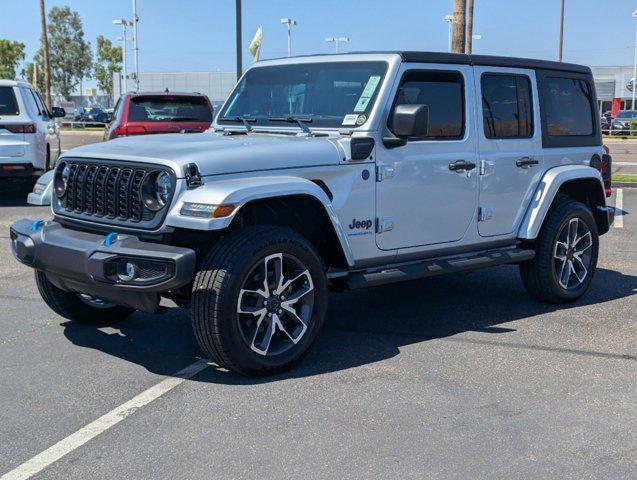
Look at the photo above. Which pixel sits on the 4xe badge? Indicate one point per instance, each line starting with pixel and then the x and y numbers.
pixel 360 224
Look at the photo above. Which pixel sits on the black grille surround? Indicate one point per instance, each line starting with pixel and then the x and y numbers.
pixel 109 192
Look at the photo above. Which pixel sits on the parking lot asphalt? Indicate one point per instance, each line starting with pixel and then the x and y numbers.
pixel 453 377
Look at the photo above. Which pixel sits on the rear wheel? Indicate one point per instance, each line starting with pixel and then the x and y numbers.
pixel 80 307
pixel 566 255
pixel 259 300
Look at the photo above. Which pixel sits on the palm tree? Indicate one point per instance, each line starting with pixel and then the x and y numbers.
pixel 47 63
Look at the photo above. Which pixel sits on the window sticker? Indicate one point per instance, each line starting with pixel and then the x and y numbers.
pixel 350 119
pixel 367 94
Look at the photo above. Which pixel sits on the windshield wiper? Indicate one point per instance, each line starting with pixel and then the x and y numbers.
pixel 243 120
pixel 301 122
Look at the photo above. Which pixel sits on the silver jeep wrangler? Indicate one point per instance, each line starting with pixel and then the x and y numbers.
pixel 330 172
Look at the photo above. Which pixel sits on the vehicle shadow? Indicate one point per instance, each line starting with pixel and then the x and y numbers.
pixel 362 326
pixel 15 194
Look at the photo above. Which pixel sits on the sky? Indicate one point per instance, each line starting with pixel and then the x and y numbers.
pixel 198 35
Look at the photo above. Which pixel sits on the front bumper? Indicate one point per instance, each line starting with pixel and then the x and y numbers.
pixel 99 265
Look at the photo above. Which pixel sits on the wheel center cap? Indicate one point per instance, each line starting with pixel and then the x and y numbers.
pixel 274 303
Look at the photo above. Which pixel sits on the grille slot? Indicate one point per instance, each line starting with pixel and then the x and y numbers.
pixel 110 192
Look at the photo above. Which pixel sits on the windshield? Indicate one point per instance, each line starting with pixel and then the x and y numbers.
pixel 627 114
pixel 333 94
pixel 169 109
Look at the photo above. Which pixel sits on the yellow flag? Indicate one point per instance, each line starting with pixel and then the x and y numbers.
pixel 255 44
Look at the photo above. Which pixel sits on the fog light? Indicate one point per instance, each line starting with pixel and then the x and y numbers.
pixel 128 272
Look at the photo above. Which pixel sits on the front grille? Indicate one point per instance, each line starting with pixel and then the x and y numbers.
pixel 110 192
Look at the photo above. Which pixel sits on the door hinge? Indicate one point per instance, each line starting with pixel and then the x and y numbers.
pixel 384 224
pixel 485 213
pixel 383 172
pixel 486 167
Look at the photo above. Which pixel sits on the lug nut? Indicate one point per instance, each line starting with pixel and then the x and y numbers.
pixel 280 311
pixel 269 314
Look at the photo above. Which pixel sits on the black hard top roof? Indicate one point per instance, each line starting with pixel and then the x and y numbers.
pixel 465 59
pixel 490 60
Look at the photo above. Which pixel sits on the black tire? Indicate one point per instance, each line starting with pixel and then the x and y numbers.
pixel 216 297
pixel 539 275
pixel 69 305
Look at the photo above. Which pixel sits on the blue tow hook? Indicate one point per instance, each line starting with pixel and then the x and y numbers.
pixel 37 224
pixel 111 238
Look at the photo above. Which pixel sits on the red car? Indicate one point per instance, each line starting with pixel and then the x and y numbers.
pixel 163 112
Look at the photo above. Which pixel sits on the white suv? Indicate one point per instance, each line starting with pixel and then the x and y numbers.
pixel 29 138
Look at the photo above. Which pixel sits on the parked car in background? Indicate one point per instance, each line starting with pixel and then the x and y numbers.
pixel 29 137
pixel 148 113
pixel 604 124
pixel 621 123
pixel 91 115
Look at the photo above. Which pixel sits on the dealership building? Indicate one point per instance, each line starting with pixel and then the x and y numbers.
pixel 216 85
pixel 614 88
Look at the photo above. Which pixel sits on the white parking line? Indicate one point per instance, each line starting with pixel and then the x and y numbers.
pixel 619 209
pixel 93 429
pixel 625 164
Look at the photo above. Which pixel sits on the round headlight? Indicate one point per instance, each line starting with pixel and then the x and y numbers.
pixel 163 188
pixel 61 181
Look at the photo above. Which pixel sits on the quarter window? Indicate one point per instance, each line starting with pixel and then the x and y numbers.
pixel 8 103
pixel 443 93
pixel 507 110
pixel 568 106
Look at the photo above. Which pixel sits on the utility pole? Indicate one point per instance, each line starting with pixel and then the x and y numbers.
pixel 290 23
pixel 135 48
pixel 459 24
pixel 635 63
pixel 449 20
pixel 469 48
pixel 47 61
pixel 239 47
pixel 559 54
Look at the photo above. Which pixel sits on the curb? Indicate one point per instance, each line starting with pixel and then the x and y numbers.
pixel 625 184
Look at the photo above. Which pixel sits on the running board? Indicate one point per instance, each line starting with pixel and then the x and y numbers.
pixel 437 266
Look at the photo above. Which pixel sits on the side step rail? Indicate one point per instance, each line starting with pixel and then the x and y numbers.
pixel 437 266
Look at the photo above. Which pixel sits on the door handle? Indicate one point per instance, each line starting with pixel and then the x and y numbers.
pixel 460 165
pixel 526 162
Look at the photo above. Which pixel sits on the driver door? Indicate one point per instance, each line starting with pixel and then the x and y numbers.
pixel 427 190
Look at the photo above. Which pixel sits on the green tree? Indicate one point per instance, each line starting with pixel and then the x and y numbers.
pixel 71 59
pixel 11 54
pixel 108 61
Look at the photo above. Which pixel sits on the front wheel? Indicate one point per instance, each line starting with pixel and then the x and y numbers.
pixel 259 300
pixel 566 255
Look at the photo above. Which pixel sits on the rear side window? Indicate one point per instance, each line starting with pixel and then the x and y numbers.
pixel 568 106
pixel 169 109
pixel 507 109
pixel 8 103
pixel 443 93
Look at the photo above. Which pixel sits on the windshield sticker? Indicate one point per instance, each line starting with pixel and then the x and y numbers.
pixel 361 119
pixel 367 94
pixel 350 119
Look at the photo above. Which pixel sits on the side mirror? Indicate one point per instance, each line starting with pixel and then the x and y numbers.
pixel 410 121
pixel 57 112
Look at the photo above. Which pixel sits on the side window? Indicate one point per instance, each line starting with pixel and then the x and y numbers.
pixel 443 93
pixel 38 98
pixel 568 106
pixel 32 105
pixel 507 109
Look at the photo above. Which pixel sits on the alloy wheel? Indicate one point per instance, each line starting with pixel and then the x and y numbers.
pixel 572 254
pixel 275 304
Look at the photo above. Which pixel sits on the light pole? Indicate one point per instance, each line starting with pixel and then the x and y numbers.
pixel 635 62
pixel 449 20
pixel 124 24
pixel 337 41
pixel 289 22
pixel 135 49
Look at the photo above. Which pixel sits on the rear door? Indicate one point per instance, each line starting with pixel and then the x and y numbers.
pixel 510 146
